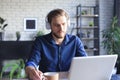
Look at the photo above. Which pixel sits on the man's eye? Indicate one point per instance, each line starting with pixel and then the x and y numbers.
pixel 63 24
pixel 57 25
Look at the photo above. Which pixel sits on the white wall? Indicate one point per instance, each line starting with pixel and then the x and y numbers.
pixel 106 14
pixel 16 10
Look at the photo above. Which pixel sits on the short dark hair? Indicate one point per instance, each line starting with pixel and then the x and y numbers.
pixel 56 12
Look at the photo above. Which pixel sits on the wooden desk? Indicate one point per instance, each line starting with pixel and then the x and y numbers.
pixel 64 75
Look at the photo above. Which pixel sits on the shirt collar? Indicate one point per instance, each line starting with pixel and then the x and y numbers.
pixel 65 41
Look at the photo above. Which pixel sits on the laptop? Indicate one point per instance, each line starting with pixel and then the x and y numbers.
pixel 92 67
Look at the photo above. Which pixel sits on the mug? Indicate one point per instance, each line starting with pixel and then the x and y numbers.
pixel 51 75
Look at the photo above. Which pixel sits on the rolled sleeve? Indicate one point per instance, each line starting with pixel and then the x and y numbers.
pixel 80 48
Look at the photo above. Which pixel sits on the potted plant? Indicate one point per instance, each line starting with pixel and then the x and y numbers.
pixel 2 27
pixel 111 38
pixel 88 33
pixel 18 35
pixel 17 69
pixel 84 12
pixel 39 33
pixel 91 24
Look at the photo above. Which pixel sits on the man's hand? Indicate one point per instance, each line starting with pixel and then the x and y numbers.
pixel 33 74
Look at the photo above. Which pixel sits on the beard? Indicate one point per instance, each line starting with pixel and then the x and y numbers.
pixel 58 36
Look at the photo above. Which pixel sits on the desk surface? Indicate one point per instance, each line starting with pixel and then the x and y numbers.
pixel 64 75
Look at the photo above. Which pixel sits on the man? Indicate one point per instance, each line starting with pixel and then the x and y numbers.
pixel 53 52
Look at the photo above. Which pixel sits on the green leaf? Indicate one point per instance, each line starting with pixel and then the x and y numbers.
pixel 111 37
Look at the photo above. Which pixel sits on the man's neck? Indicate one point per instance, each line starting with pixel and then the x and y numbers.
pixel 58 40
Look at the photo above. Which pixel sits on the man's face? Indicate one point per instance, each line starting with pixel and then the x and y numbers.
pixel 59 26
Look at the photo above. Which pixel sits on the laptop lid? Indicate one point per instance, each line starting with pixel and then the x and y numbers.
pixel 92 67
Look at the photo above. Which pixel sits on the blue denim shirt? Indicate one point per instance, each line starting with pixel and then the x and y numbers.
pixel 52 57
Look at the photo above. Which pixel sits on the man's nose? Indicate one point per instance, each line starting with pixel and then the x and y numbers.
pixel 61 27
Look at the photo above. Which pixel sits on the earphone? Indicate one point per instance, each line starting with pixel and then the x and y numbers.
pixel 48 24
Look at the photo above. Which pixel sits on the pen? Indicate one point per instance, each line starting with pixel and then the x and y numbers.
pixel 37 68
